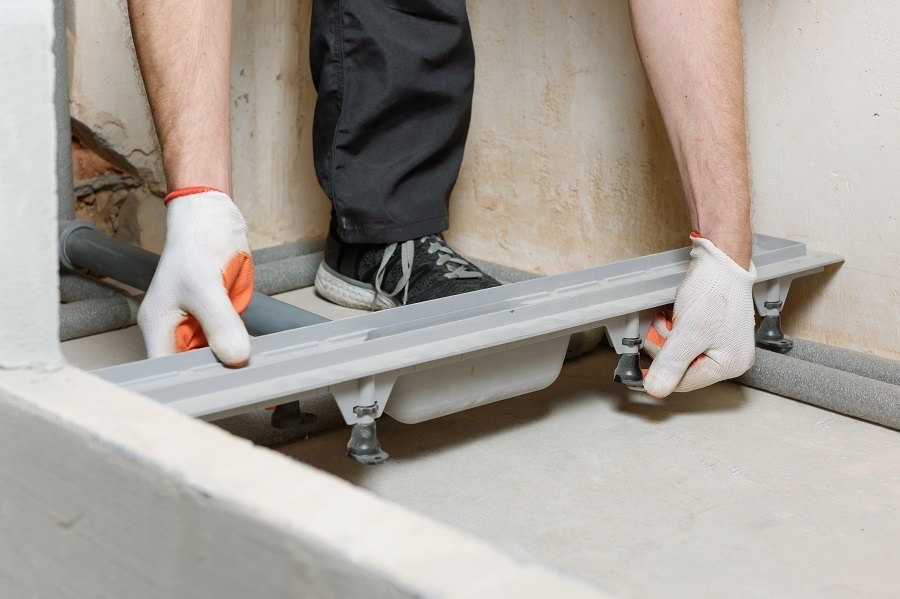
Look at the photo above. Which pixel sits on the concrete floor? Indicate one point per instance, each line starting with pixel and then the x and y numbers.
pixel 727 491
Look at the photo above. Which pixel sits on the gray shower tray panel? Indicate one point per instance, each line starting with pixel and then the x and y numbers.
pixel 411 339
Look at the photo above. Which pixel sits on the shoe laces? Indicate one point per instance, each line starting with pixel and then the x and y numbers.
pixel 407 252
pixel 448 255
pixel 457 266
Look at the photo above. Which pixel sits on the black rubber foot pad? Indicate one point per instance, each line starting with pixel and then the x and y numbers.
pixel 289 416
pixel 781 346
pixel 629 372
pixel 770 336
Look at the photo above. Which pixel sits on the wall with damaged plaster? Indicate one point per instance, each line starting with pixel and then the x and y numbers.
pixel 107 99
pixel 568 164
pixel 273 99
pixel 528 104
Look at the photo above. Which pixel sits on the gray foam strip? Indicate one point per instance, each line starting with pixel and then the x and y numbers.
pixel 94 316
pixel 829 388
pixel 873 367
pixel 256 426
pixel 288 250
pixel 74 288
pixel 504 274
pixel 287 274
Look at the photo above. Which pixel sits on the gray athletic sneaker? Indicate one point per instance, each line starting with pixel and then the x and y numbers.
pixel 374 277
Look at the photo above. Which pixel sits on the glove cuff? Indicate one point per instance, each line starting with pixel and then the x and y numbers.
pixel 188 191
pixel 702 245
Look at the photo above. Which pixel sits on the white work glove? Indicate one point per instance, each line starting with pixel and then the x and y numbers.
pixel 203 282
pixel 707 336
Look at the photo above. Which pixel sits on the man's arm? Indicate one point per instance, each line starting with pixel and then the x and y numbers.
pixel 205 275
pixel 184 51
pixel 692 53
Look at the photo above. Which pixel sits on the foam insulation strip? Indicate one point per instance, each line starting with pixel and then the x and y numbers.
pixel 257 425
pixel 91 317
pixel 287 274
pixel 288 250
pixel 873 367
pixel 829 388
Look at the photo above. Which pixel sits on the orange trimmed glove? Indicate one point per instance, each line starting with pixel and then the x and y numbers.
pixel 707 336
pixel 204 280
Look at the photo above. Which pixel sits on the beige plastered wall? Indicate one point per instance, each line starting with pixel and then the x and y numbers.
pixel 567 164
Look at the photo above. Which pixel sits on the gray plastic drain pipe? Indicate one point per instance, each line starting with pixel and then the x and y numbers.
pixel 82 247
pixel 271 277
pixel 278 269
pixel 830 388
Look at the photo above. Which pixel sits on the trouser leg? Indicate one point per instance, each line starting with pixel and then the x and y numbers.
pixel 395 81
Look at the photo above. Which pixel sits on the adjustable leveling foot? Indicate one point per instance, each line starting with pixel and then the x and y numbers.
pixel 628 372
pixel 364 446
pixel 769 334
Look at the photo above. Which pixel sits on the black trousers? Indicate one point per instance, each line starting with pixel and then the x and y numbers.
pixel 395 81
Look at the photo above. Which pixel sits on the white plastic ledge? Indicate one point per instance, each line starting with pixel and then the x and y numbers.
pixel 104 493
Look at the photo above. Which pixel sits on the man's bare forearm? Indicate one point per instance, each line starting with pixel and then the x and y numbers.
pixel 184 51
pixel 692 52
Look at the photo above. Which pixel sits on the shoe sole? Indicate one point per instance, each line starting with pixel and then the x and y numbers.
pixel 351 294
